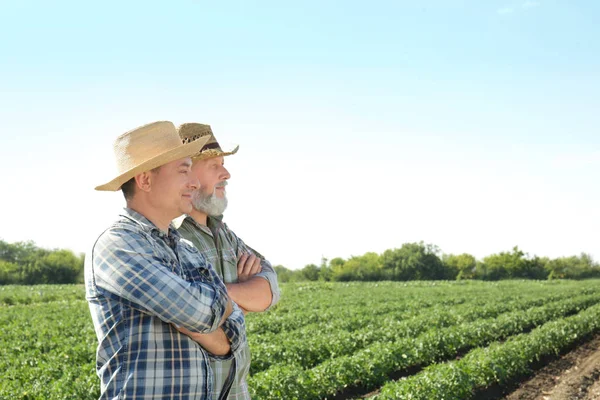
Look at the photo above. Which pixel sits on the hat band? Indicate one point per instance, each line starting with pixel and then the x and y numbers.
pixel 210 146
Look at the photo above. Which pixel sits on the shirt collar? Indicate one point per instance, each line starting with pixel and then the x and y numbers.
pixel 177 222
pixel 210 221
pixel 215 221
pixel 146 225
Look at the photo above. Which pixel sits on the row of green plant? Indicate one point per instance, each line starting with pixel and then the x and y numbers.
pixel 324 302
pixel 315 343
pixel 419 261
pixel 30 294
pixel 344 306
pixel 497 364
pixel 370 367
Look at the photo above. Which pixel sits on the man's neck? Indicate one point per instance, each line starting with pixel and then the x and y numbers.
pixel 200 217
pixel 157 217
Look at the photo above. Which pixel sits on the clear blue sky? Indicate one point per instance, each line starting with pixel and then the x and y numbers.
pixel 362 125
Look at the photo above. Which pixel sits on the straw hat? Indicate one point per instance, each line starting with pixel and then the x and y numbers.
pixel 146 148
pixel 193 131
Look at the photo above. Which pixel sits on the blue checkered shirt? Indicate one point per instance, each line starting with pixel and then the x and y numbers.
pixel 141 284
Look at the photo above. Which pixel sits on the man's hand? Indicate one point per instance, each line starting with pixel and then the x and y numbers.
pixel 215 343
pixel 248 265
pixel 251 295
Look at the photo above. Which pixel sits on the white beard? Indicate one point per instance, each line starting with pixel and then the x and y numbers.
pixel 209 204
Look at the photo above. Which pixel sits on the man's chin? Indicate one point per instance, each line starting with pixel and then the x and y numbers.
pixel 186 209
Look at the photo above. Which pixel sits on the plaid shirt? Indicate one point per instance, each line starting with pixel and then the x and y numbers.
pixel 140 284
pixel 223 253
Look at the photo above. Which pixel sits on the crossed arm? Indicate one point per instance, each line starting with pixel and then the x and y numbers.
pixel 252 293
pixel 125 264
pixel 218 342
pixel 257 288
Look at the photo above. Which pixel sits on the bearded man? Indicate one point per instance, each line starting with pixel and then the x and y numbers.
pixel 250 279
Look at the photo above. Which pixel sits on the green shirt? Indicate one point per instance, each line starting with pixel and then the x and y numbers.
pixel 221 247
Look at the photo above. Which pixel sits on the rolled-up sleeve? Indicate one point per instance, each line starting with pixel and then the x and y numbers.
pixel 267 272
pixel 235 328
pixel 126 265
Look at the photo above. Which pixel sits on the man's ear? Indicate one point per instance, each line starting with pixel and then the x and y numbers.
pixel 144 181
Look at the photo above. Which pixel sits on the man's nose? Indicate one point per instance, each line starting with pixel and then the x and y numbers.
pixel 225 174
pixel 194 183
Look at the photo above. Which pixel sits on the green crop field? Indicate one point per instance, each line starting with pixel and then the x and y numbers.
pixel 415 340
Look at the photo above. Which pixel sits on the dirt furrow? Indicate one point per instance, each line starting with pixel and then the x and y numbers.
pixel 574 376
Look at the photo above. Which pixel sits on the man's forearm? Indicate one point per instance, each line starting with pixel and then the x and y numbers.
pixel 252 295
pixel 199 306
pixel 215 342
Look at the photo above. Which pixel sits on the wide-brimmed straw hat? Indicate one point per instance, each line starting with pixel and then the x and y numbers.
pixel 193 131
pixel 146 148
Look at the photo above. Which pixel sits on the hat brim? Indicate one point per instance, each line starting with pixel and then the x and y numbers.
pixel 185 150
pixel 210 153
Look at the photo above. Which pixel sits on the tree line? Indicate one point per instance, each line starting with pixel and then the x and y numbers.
pixel 24 263
pixel 420 261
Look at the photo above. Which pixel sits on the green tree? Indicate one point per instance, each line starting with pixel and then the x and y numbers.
pixel 64 266
pixel 515 264
pixel 25 263
pixel 9 273
pixel 359 268
pixel 310 273
pixel 283 274
pixel 325 271
pixel 19 252
pixel 461 266
pixel 574 267
pixel 413 261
